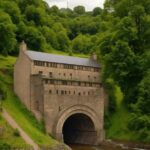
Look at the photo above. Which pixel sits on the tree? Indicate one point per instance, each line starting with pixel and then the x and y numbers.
pixel 81 44
pixel 50 36
pixel 97 11
pixel 35 14
pixel 119 64
pixel 4 146
pixel 7 34
pixel 12 9
pixel 54 10
pixel 79 10
pixel 63 41
pixel 35 39
pixel 143 101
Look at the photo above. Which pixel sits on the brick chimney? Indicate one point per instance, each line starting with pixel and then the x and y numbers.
pixel 23 46
pixel 94 56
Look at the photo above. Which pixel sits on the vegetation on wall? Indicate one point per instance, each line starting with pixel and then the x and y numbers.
pixel 119 34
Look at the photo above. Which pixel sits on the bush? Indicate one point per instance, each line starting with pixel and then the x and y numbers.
pixel 4 146
pixel 16 133
pixel 110 86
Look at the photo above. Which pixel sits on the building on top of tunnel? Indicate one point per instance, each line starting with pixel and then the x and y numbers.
pixel 64 91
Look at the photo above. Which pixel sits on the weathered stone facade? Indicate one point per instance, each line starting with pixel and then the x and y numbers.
pixel 65 92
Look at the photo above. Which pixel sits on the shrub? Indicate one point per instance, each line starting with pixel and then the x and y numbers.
pixel 4 146
pixel 16 133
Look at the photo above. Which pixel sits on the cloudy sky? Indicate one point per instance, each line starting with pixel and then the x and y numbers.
pixel 89 4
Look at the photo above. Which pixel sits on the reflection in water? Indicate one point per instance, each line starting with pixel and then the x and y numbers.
pixel 81 147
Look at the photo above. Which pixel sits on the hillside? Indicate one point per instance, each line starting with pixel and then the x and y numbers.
pixel 17 110
pixel 10 137
pixel 119 34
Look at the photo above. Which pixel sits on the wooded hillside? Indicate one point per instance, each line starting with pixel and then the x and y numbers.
pixel 119 33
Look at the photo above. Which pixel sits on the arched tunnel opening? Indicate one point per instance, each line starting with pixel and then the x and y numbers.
pixel 79 129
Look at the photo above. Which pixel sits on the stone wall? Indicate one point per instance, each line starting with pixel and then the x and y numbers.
pixel 55 103
pixel 22 71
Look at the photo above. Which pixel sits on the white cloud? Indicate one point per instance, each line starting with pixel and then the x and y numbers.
pixel 89 5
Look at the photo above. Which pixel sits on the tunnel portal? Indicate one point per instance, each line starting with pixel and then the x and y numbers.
pixel 79 129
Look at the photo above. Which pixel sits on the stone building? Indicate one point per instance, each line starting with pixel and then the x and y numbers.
pixel 66 92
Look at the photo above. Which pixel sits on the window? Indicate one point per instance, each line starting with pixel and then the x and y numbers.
pixel 90 84
pixel 79 93
pixel 51 82
pixel 71 75
pixel 95 78
pixel 64 74
pixel 68 66
pixel 80 67
pixel 53 65
pixel 64 82
pixel 62 92
pixel 35 62
pixel 47 64
pixel 88 77
pixel 46 81
pixel 50 91
pixel 86 84
pixel 50 74
pixel 41 72
pixel 96 69
pixel 57 92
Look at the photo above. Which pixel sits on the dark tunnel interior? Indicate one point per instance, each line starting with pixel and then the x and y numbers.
pixel 79 129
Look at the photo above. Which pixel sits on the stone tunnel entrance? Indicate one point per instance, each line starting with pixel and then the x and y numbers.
pixel 79 129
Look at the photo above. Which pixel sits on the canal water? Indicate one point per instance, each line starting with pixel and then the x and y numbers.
pixel 81 147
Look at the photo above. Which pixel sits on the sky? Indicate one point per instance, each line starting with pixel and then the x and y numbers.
pixel 88 4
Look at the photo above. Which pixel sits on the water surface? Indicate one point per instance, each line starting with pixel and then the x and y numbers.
pixel 81 147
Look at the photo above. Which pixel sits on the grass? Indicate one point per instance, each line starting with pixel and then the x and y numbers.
pixel 9 137
pixel 118 129
pixel 17 110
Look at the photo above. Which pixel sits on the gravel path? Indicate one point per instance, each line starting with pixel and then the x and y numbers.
pixel 14 125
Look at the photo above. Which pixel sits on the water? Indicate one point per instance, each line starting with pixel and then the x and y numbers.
pixel 110 147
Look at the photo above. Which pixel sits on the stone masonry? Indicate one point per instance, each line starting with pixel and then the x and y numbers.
pixel 64 91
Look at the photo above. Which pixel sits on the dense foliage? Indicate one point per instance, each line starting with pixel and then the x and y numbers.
pixel 119 33
pixel 44 28
pixel 125 49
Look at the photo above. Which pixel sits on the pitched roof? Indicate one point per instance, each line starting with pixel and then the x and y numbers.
pixel 40 56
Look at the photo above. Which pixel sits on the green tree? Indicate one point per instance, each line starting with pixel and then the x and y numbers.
pixel 63 41
pixel 82 44
pixel 12 9
pixel 97 11
pixel 120 65
pixel 143 101
pixel 79 10
pixel 50 36
pixel 35 14
pixel 4 146
pixel 7 34
pixel 54 10
pixel 35 39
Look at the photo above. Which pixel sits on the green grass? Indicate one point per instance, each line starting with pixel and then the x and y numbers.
pixel 17 110
pixel 118 129
pixel 9 138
